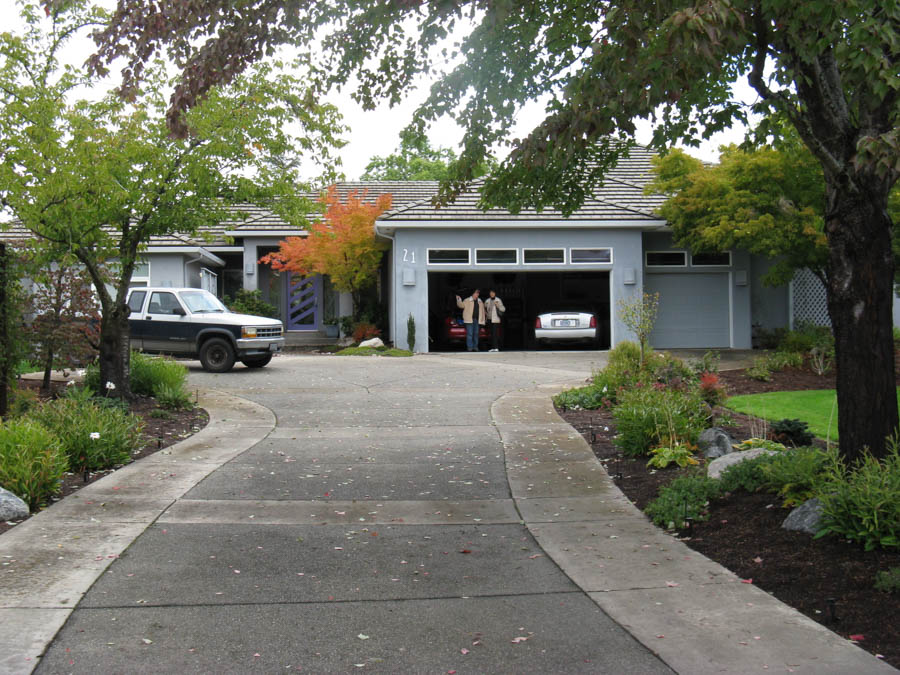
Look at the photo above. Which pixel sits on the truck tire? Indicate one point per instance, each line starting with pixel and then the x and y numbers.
pixel 257 361
pixel 217 355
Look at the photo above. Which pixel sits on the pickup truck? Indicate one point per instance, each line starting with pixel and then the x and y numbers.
pixel 193 323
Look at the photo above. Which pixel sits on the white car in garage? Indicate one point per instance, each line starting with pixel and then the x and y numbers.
pixel 568 327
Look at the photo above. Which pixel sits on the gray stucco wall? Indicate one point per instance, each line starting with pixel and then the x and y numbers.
pixel 409 292
pixel 168 269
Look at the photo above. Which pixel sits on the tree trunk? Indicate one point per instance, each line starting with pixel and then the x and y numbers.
pixel 860 303
pixel 115 354
pixel 48 370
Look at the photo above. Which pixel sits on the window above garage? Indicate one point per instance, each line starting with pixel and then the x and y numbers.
pixel 448 256
pixel 590 256
pixel 666 258
pixel 544 256
pixel 711 259
pixel 496 256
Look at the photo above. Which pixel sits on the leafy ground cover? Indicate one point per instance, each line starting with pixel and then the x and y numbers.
pixel 162 427
pixel 829 580
pixel 816 407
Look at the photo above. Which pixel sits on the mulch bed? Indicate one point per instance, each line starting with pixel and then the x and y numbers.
pixel 158 433
pixel 829 580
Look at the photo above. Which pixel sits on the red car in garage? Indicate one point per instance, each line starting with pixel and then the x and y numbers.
pixel 454 332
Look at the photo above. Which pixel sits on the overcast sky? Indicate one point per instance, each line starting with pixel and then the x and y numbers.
pixel 377 132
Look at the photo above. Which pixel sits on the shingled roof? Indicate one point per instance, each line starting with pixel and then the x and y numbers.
pixel 620 198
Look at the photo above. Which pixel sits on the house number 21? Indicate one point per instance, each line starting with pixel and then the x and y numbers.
pixel 409 256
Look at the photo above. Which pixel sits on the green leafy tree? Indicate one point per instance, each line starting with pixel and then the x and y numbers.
pixel 412 161
pixel 639 315
pixel 829 69
pixel 96 180
pixel 765 200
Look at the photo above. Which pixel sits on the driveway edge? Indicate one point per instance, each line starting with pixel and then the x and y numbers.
pixel 697 616
pixel 50 561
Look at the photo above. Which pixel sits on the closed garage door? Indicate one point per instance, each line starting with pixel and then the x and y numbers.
pixel 693 310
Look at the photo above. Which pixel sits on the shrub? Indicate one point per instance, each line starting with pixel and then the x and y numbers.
pixel 21 401
pixel 797 475
pixel 669 370
pixel 711 389
pixel 624 356
pixel 708 363
pixel 862 503
pixel 173 399
pixel 583 398
pixel 365 331
pixel 32 461
pixel 684 497
pixel 148 374
pixel 93 437
pixel 792 432
pixel 682 454
pixel 803 338
pixel 888 581
pixel 654 416
pixel 411 332
pixel 748 475
pixel 759 369
pixel 781 360
pixel 251 302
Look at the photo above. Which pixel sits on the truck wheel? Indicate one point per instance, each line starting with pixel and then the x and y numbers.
pixel 257 361
pixel 217 355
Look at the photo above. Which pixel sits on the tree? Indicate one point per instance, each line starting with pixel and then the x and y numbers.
pixel 639 314
pixel 764 200
pixel 342 245
pixel 64 321
pixel 830 69
pixel 96 180
pixel 412 161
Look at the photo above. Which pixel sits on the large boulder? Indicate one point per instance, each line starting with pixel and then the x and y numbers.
pixel 715 442
pixel 374 342
pixel 717 466
pixel 805 518
pixel 11 507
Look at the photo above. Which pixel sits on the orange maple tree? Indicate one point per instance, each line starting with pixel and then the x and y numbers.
pixel 342 245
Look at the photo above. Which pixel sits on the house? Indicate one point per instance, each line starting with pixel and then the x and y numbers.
pixel 611 249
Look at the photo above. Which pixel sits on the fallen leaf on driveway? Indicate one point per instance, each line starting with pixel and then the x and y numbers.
pixel 857 638
pixel 517 640
pixel 362 636
pixel 671 584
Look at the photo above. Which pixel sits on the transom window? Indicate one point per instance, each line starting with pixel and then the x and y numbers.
pixel 544 256
pixel 711 259
pixel 448 256
pixel 590 255
pixel 666 259
pixel 496 256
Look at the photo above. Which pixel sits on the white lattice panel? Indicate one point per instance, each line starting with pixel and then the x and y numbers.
pixel 809 302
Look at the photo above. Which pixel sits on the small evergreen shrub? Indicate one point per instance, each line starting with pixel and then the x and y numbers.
pixel 684 497
pixel 251 302
pixel 760 370
pixel 411 332
pixel 792 432
pixel 783 359
pixel 748 475
pixel 806 336
pixel 797 475
pixel 583 398
pixel 862 503
pixel 93 437
pixel 888 581
pixel 32 461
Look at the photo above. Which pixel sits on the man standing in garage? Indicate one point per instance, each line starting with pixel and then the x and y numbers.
pixel 473 317
pixel 493 307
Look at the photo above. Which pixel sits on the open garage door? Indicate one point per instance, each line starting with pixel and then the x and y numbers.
pixel 525 294
pixel 694 310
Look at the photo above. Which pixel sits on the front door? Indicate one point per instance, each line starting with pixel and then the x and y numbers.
pixel 302 301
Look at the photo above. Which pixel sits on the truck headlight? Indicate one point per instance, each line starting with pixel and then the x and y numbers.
pixel 248 331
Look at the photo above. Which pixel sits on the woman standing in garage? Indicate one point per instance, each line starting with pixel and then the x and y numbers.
pixel 493 307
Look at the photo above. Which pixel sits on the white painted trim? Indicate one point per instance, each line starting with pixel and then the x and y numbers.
pixel 186 250
pixel 387 226
pixel 544 262
pixel 428 262
pixel 225 249
pixel 514 250
pixel 665 267
pixel 591 248
pixel 612 309
pixel 731 310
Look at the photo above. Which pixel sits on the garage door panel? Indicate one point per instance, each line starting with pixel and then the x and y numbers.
pixel 693 310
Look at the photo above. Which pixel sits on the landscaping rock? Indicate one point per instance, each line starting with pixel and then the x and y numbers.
pixel 715 442
pixel 717 466
pixel 11 507
pixel 374 342
pixel 805 518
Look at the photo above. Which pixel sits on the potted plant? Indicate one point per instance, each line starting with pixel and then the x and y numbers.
pixel 331 326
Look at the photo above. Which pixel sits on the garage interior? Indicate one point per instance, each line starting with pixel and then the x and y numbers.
pixel 525 295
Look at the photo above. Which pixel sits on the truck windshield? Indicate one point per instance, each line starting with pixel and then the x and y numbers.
pixel 202 301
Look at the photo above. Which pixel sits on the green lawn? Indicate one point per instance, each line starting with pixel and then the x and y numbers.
pixel 816 407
